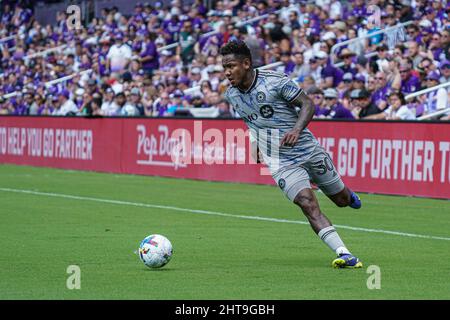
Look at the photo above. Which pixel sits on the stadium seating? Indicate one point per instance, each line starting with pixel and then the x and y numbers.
pixel 153 62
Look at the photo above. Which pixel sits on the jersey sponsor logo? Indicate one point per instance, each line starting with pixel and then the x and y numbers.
pixel 266 111
pixel 282 183
pixel 261 96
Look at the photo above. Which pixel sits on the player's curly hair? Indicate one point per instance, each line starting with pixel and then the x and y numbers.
pixel 237 47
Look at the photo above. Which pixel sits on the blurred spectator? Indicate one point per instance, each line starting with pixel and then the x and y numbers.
pixel 176 103
pixel 212 99
pixel 357 46
pixel 65 106
pixel 413 33
pixel 119 55
pixel 382 59
pixel 362 106
pixel 444 68
pixel 108 106
pixel 92 108
pixel 435 100
pixel 125 107
pixel 114 108
pixel 135 101
pixel 359 81
pixel 288 65
pixel 371 84
pixel 224 109
pixel 205 88
pixel 36 104
pixel 301 69
pixel 397 110
pixel 197 102
pixel 414 53
pixel 316 95
pixel 347 56
pixel 149 57
pixel 409 81
pixel 195 76
pixel 315 71
pixel 379 96
pixel 331 75
pixel 255 45
pixel 346 83
pixel 188 38
pixel 337 110
pixel 161 105
pixel 48 107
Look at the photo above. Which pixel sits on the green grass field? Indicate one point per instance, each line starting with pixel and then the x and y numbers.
pixel 223 246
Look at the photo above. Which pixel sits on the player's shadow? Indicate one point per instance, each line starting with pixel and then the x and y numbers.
pixel 159 269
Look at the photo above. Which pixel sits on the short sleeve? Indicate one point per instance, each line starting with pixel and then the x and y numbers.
pixel 288 89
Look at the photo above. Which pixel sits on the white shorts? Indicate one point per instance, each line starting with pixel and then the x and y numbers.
pixel 318 168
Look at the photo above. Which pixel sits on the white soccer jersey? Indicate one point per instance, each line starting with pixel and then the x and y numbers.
pixel 265 109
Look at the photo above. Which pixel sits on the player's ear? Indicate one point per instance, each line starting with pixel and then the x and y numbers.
pixel 247 63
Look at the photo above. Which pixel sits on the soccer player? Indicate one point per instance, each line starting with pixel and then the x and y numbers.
pixel 267 102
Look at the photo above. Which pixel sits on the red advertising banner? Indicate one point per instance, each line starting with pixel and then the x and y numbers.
pixel 218 150
pixel 400 158
pixel 67 143
pixel 390 158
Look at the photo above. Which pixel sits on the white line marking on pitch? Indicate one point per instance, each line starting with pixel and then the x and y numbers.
pixel 214 213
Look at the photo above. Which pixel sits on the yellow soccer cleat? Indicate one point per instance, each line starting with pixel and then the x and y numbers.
pixel 346 261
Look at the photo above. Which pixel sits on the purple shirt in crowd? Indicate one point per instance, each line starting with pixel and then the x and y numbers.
pixel 360 11
pixel 20 109
pixel 161 109
pixel 380 94
pixel 340 112
pixel 412 84
pixel 42 108
pixel 321 111
pixel 349 69
pixel 330 71
pixel 150 50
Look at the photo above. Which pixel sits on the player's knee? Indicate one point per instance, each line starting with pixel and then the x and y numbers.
pixel 342 199
pixel 342 202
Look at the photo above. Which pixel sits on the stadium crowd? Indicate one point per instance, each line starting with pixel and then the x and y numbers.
pixel 129 72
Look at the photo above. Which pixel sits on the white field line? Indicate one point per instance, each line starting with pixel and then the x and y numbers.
pixel 214 213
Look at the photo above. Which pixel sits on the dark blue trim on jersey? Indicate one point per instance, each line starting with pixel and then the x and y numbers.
pixel 272 73
pixel 296 95
pixel 252 85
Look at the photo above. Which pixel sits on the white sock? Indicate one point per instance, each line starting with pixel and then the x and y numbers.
pixel 331 238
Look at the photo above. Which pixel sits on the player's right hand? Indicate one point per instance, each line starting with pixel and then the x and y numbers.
pixel 290 138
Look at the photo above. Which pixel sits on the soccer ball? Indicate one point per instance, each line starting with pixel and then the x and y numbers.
pixel 155 251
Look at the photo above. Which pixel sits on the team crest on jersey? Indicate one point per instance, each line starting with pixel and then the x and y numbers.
pixel 266 111
pixel 261 96
pixel 282 183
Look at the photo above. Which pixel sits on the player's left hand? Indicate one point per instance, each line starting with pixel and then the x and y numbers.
pixel 290 138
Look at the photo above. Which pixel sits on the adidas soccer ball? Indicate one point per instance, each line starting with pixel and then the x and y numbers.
pixel 155 251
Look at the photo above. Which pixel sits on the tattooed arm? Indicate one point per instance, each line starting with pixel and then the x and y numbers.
pixel 304 117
